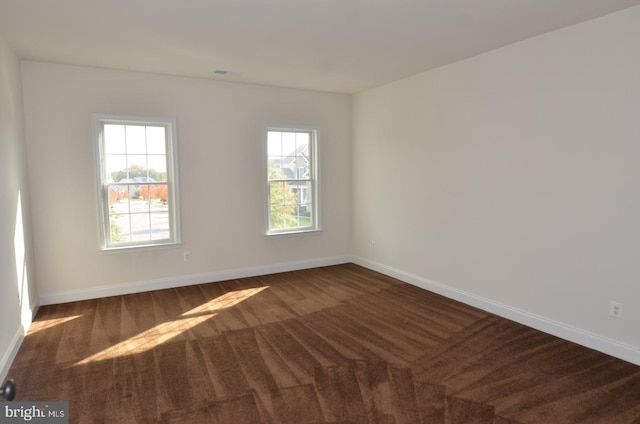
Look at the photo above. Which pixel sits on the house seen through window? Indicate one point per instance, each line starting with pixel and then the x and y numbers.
pixel 137 178
pixel 292 184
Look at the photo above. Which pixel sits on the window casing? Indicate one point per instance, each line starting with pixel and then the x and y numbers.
pixel 137 182
pixel 292 184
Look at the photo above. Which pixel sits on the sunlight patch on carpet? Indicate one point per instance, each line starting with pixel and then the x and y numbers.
pixel 168 330
pixel 49 323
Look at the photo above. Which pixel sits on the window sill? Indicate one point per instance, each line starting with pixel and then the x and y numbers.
pixel 132 249
pixel 293 233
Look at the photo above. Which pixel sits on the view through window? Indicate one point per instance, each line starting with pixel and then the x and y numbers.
pixel 137 174
pixel 292 205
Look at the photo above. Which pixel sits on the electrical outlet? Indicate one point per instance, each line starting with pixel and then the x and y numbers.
pixel 186 256
pixel 373 244
pixel 615 309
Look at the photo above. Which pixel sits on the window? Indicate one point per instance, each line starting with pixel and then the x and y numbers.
pixel 292 182
pixel 137 181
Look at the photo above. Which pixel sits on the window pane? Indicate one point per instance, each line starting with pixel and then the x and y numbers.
pixel 156 144
pixel 136 139
pixel 118 198
pixel 302 167
pixel 120 231
pixel 276 217
pixel 142 192
pixel 288 167
pixel 288 143
pixel 276 193
pixel 274 143
pixel 116 167
pixel 302 143
pixel 114 139
pixel 275 168
pixel 302 191
pixel 140 227
pixel 137 167
pixel 157 167
pixel 304 212
pixel 160 225
pixel 160 193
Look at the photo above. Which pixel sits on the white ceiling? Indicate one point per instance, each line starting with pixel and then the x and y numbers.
pixel 341 46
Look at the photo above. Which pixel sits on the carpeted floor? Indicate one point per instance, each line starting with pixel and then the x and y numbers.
pixel 339 344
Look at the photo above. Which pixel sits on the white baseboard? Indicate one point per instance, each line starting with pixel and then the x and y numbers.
pixel 12 349
pixel 187 280
pixel 558 329
pixel 10 353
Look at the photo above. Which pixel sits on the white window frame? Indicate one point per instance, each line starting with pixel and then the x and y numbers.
pixel 171 151
pixel 313 179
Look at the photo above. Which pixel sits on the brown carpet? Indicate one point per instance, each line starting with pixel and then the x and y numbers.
pixel 339 344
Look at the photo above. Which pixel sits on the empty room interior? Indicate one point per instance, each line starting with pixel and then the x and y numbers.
pixel 322 211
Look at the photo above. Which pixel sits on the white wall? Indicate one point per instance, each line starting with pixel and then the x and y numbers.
pixel 512 180
pixel 221 168
pixel 17 278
